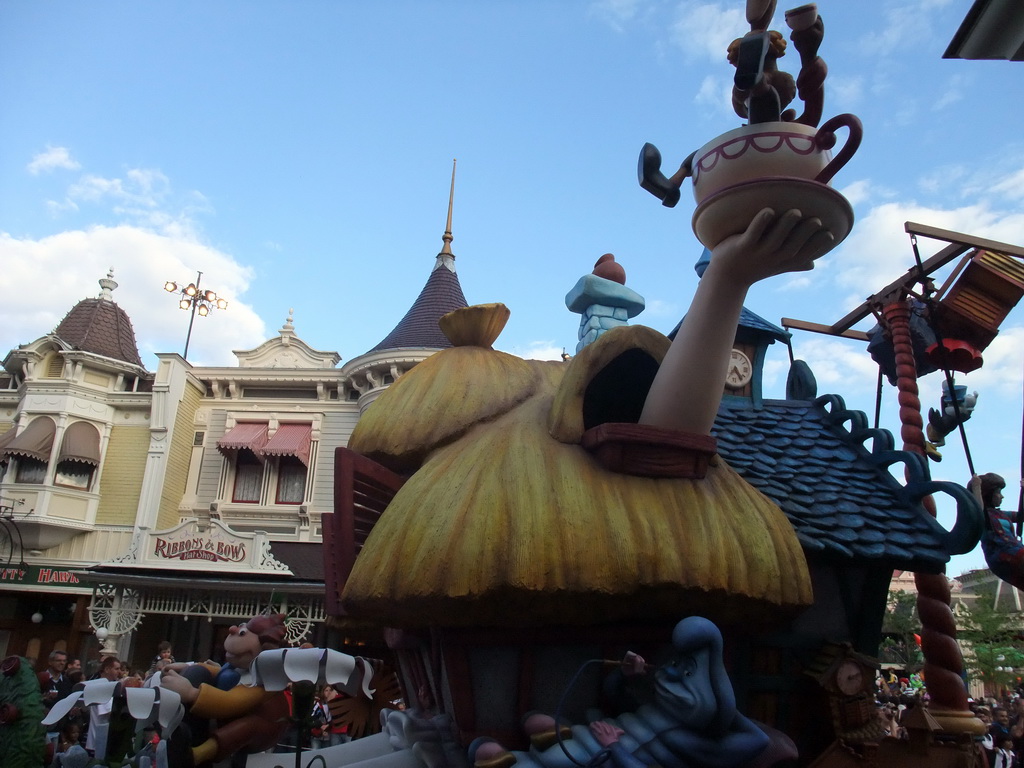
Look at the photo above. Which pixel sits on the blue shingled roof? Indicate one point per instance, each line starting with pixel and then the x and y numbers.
pixel 755 322
pixel 748 320
pixel 829 474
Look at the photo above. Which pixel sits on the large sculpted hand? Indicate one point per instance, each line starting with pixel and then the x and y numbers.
pixel 772 244
pixel 180 685
pixel 688 387
pixel 604 733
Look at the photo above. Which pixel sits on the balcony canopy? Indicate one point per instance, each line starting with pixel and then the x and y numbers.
pixel 290 440
pixel 35 442
pixel 250 435
pixel 81 442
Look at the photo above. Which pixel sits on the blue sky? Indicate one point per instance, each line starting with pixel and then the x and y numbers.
pixel 299 154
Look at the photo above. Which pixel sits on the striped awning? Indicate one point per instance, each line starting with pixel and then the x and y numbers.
pixel 250 434
pixel 36 441
pixel 290 440
pixel 81 442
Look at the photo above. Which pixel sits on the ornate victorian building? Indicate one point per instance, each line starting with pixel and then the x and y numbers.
pixel 137 502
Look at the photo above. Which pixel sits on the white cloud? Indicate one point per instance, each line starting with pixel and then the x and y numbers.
pixel 715 95
pixel 846 91
pixel 862 191
pixel 879 250
pixel 143 197
pixel 903 24
pixel 838 365
pixel 955 89
pixel 51 159
pixel 540 350
pixel 1012 186
pixel 662 308
pixel 704 30
pixel 65 268
pixel 798 281
pixel 147 232
pixel 941 180
pixel 58 207
pixel 1004 360
pixel 616 13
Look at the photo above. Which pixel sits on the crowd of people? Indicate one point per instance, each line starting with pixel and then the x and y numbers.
pixel 72 741
pixel 1003 716
pixel 76 733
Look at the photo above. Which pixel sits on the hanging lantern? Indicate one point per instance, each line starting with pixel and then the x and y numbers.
pixel 967 317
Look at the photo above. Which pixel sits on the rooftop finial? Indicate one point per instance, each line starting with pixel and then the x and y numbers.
pixel 446 249
pixel 289 324
pixel 107 284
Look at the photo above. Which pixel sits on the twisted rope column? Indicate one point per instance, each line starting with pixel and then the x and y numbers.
pixel 943 662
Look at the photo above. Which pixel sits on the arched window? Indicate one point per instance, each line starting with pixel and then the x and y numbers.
pixel 31 450
pixel 79 456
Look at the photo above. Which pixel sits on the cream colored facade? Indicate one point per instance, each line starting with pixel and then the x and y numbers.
pixel 160 465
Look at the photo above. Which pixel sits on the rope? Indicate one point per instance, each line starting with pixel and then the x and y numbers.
pixel 602 755
pixel 878 399
pixel 959 422
pixel 1020 498
pixel 927 298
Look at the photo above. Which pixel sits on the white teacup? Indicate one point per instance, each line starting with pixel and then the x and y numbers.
pixel 764 151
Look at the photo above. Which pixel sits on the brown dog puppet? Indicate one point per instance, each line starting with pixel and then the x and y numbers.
pixel 247 717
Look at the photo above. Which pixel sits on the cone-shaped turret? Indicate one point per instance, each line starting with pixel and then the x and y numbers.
pixel 442 294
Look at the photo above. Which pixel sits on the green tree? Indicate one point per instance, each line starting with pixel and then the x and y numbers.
pixel 993 648
pixel 900 624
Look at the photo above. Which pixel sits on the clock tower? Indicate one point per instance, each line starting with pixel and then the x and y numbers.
pixel 753 337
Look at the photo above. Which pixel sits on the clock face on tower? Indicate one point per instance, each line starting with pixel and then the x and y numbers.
pixel 740 370
pixel 850 678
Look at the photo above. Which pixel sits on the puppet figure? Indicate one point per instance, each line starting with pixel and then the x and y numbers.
pixel 1004 552
pixel 248 718
pixel 21 710
pixel 692 721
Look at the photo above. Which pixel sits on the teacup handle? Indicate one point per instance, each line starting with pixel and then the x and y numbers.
pixel 826 139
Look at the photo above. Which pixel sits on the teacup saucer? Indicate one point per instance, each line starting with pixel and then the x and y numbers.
pixel 731 210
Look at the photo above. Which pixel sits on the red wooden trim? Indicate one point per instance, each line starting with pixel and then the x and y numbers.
pixel 637 449
pixel 362 491
pixel 460 686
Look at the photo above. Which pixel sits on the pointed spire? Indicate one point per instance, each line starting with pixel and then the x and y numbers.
pixel 442 294
pixel 446 257
pixel 107 285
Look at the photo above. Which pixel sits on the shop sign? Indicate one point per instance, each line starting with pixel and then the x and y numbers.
pixel 198 548
pixel 41 575
pixel 214 546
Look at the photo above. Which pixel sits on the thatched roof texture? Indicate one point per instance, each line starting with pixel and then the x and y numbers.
pixel 503 525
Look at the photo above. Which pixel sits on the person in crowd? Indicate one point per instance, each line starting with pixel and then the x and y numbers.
pixel 986 742
pixel 334 731
pixel 320 728
pixel 53 683
pixel 110 669
pixel 1004 756
pixel 164 652
pixel 69 737
pixel 163 659
pixel 887 716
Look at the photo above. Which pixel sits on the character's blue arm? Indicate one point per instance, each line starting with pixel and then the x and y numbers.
pixel 622 758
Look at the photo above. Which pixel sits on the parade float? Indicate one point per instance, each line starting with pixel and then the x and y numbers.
pixel 632 557
pixel 517 529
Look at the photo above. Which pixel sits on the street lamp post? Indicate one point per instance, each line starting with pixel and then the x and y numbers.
pixel 194 300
